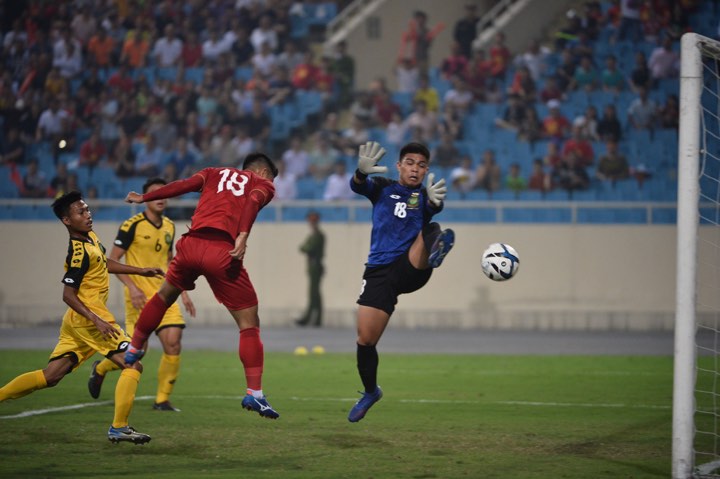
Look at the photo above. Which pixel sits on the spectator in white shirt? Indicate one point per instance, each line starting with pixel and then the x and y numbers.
pixel 213 47
pixel 285 183
pixel 264 60
pixel 408 76
pixel 337 186
pixel 168 49
pixel 663 61
pixel 296 159
pixel 69 61
pixel 264 33
pixel 52 122
pixel 459 95
pixel 243 143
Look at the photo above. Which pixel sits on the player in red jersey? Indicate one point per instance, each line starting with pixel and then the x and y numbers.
pixel 214 247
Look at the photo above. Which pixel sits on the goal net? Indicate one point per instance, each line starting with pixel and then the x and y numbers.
pixel 696 394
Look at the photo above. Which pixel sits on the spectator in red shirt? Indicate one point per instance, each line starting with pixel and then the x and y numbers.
pixel 580 146
pixel 192 51
pixel 477 72
pixel 455 64
pixel 500 57
pixel 92 151
pixel 556 126
pixel 385 108
pixel 305 74
pixel 122 80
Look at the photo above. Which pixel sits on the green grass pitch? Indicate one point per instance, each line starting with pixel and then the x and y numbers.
pixel 443 416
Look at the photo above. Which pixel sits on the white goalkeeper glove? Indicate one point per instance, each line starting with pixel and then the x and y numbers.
pixel 369 155
pixel 435 192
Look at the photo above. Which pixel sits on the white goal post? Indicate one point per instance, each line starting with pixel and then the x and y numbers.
pixel 696 389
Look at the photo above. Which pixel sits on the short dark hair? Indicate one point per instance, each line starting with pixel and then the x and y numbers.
pixel 414 147
pixel 258 157
pixel 61 206
pixel 153 181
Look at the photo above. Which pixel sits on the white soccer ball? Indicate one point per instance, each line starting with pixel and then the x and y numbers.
pixel 500 262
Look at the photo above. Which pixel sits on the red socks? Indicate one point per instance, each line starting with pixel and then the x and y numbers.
pixel 149 319
pixel 251 355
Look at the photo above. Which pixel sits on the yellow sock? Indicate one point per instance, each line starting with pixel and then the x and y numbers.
pixel 105 366
pixel 125 395
pixel 167 375
pixel 23 385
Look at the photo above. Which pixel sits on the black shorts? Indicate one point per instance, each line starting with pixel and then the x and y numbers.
pixel 383 284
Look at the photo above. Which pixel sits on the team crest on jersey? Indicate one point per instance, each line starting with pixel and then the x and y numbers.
pixel 168 238
pixel 414 200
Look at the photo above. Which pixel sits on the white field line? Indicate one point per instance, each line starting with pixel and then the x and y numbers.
pixel 38 412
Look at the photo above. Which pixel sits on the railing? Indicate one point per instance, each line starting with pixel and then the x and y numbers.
pixel 355 211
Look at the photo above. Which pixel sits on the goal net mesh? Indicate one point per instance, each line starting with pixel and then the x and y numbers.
pixel 707 387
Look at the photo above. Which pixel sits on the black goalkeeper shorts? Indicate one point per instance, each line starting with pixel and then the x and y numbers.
pixel 383 284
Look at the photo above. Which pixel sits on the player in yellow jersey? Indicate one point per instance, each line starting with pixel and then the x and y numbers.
pixel 147 239
pixel 88 327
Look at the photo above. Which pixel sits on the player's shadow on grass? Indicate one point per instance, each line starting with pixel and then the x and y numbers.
pixel 350 441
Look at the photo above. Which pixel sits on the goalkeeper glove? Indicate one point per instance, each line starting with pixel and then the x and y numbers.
pixel 435 192
pixel 369 155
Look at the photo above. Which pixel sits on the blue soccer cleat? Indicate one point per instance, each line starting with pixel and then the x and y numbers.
pixel 260 406
pixel 442 246
pixel 133 355
pixel 364 404
pixel 127 434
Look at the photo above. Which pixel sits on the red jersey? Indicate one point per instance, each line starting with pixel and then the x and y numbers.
pixel 230 198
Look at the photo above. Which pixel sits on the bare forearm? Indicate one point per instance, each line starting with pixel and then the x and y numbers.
pixel 118 268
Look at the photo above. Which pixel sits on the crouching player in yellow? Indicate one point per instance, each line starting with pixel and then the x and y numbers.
pixel 147 239
pixel 87 326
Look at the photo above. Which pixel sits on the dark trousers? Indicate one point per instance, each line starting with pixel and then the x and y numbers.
pixel 313 314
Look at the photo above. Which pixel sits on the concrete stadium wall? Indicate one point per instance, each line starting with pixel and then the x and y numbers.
pixel 571 277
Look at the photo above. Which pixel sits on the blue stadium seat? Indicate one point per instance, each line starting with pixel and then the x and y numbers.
pixel 195 75
pixel 299 26
pixel 537 215
pixel 166 73
pixel 309 188
pixel 244 73
pixel 404 100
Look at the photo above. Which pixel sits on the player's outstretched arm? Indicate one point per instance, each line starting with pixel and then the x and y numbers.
pixel 133 197
pixel 369 155
pixel 436 191
pixel 116 267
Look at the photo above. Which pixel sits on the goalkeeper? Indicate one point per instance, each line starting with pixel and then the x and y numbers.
pixel 404 248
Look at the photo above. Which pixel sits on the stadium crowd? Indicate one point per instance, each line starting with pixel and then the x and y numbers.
pixel 132 89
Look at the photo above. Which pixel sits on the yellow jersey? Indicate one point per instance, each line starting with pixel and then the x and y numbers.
pixel 146 246
pixel 86 270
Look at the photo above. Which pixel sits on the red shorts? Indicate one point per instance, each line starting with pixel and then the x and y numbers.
pixel 207 255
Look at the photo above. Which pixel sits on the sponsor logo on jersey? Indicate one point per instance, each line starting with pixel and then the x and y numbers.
pixel 118 242
pixel 395 197
pixel 414 200
pixel 69 281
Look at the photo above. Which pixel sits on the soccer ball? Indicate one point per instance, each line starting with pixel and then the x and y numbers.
pixel 500 262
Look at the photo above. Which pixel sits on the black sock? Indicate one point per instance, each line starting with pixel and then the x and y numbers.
pixel 367 364
pixel 430 233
